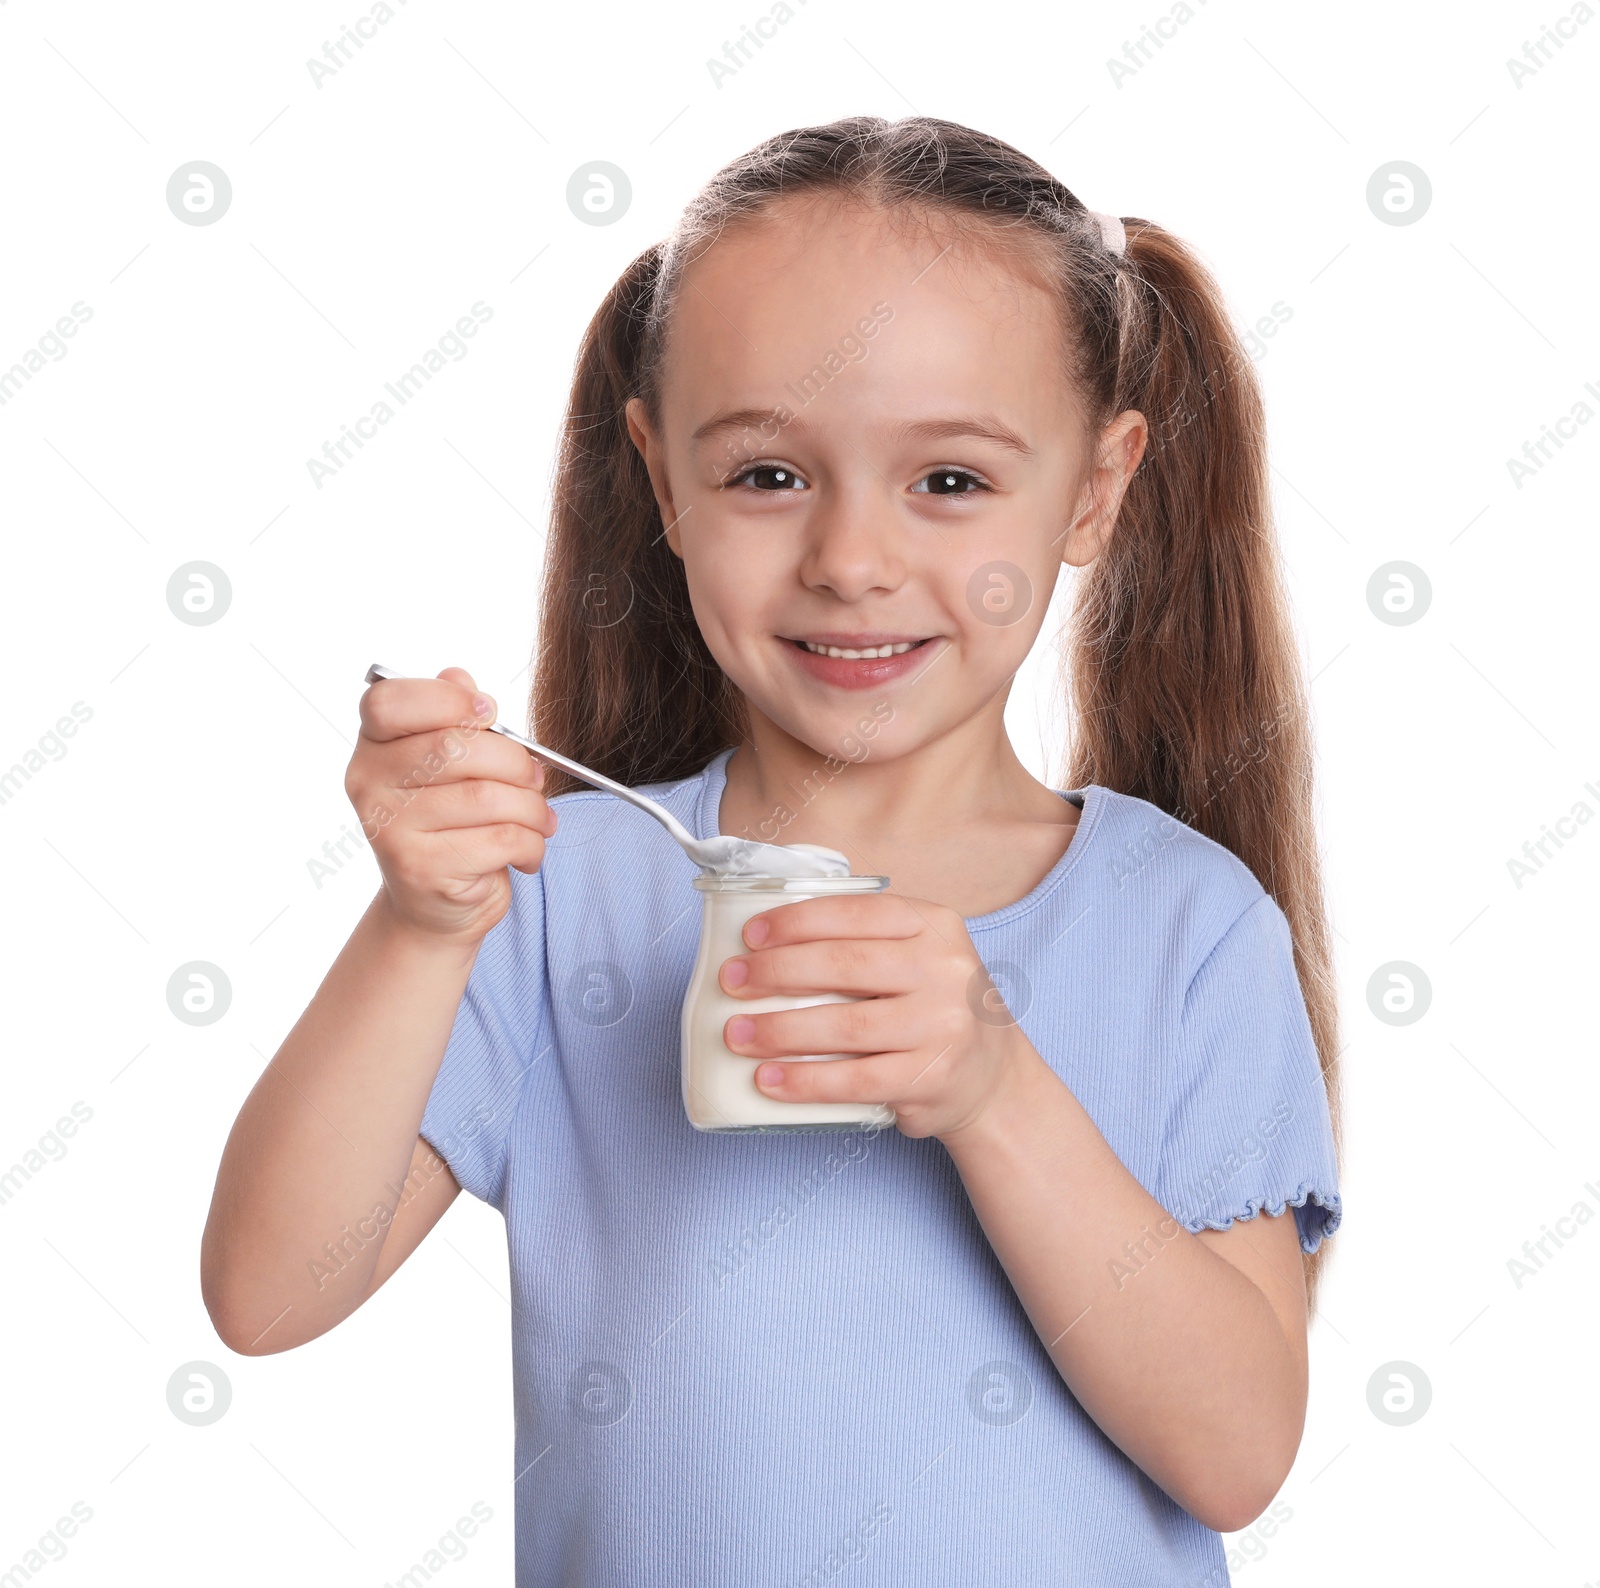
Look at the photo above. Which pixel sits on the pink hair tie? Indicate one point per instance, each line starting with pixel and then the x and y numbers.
pixel 1112 232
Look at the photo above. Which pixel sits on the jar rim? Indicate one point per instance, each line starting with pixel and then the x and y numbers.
pixel 708 882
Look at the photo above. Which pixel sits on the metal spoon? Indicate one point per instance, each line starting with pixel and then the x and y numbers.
pixel 722 854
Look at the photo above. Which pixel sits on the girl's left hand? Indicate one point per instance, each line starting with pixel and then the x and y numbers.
pixel 937 1041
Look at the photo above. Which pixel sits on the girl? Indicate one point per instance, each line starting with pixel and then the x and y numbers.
pixel 827 450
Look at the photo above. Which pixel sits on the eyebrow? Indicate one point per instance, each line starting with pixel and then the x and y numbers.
pixel 981 427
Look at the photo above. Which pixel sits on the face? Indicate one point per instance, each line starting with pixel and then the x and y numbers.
pixel 867 446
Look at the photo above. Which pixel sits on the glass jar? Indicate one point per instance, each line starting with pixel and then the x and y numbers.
pixel 719 1088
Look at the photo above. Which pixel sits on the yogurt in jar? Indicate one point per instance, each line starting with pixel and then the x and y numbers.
pixel 719 1089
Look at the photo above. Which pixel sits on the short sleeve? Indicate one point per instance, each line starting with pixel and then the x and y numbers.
pixel 501 1032
pixel 1248 1126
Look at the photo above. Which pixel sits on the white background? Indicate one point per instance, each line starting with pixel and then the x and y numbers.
pixel 371 212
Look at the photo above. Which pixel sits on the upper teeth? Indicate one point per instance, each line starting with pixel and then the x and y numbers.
pixel 852 656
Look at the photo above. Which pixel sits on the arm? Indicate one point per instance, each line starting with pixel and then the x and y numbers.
pixel 325 1186
pixel 1188 1350
pixel 330 1127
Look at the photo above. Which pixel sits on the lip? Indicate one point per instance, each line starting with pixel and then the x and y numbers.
pixel 868 672
pixel 858 641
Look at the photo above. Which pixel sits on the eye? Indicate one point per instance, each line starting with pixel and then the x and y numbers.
pixel 951 482
pixel 776 476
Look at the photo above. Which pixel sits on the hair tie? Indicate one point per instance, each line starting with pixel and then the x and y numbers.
pixel 1112 232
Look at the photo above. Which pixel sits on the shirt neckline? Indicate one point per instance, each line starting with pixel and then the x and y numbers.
pixel 1091 801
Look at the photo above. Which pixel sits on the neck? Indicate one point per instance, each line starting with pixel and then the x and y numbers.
pixel 782 790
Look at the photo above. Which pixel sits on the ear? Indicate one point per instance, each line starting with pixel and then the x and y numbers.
pixel 654 455
pixel 1120 452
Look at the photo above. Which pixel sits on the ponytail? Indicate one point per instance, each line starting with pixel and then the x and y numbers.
pixel 623 680
pixel 1186 679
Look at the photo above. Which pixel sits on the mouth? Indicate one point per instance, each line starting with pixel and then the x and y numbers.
pixel 857 661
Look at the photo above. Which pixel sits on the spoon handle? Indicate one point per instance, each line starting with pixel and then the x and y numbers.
pixel 578 770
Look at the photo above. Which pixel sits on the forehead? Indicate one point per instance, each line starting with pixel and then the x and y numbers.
pixel 959 317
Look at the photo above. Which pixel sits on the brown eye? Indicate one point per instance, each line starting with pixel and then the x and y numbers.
pixel 773 477
pixel 950 482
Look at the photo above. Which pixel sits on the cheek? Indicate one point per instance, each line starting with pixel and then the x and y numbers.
pixel 736 573
pixel 998 592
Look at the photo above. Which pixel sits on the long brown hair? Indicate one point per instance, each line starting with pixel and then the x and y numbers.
pixel 1185 677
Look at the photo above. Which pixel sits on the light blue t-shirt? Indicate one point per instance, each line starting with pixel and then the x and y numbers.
pixel 785 1360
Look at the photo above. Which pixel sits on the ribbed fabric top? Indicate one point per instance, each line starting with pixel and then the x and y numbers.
pixel 778 1359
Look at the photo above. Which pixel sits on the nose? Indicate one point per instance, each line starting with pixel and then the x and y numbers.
pixel 853 544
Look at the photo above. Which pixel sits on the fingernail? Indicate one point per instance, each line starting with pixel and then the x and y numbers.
pixel 482 705
pixel 740 1030
pixel 755 932
pixel 769 1074
pixel 538 774
pixel 735 973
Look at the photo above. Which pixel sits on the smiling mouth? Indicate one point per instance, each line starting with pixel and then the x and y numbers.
pixel 859 651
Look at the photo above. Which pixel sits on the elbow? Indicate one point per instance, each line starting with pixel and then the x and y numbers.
pixel 1229 1502
pixel 227 1316
pixel 244 1336
pixel 241 1325
pixel 1239 1480
pixel 1232 1512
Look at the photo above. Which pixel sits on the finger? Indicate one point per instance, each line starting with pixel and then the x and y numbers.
pixel 862 965
pixel 875 1079
pixel 393 708
pixel 454 754
pixel 459 675
pixel 467 853
pixel 842 915
pixel 480 802
pixel 867 1025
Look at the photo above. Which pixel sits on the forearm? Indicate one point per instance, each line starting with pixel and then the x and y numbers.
pixel 1176 1354
pixel 330 1126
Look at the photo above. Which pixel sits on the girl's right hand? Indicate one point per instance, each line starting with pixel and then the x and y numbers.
pixel 446 805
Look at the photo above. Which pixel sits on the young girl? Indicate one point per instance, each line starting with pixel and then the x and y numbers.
pixel 828 449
